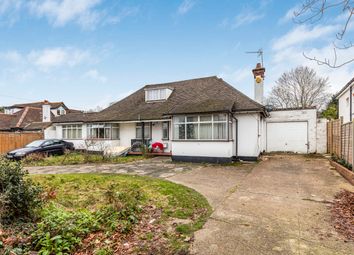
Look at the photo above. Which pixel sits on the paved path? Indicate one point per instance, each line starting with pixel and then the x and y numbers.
pixel 278 207
pixel 161 167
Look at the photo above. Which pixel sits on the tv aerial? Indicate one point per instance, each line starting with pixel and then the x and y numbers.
pixel 259 54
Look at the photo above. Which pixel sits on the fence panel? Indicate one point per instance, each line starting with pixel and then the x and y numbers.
pixel 340 139
pixel 11 140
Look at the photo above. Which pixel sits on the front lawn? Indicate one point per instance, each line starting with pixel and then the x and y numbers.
pixel 108 214
pixel 75 158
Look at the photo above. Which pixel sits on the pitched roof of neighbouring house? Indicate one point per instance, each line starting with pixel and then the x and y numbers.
pixel 345 87
pixel 53 105
pixel 202 95
pixel 20 119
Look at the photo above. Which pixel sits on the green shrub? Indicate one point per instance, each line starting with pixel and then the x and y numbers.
pixel 19 196
pixel 60 231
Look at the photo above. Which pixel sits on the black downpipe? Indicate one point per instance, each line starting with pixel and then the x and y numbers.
pixel 236 135
pixel 143 133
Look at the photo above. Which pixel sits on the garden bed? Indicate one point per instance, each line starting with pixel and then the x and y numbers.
pixel 108 214
pixel 345 172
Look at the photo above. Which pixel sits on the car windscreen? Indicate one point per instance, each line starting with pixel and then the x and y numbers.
pixel 35 143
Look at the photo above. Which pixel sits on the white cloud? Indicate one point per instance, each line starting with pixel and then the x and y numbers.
pixel 60 12
pixel 246 17
pixel 124 13
pixel 236 76
pixel 57 57
pixel 9 11
pixel 11 56
pixel 185 7
pixel 95 75
pixel 301 34
pixel 289 15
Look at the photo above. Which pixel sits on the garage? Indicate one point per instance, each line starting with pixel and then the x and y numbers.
pixel 287 136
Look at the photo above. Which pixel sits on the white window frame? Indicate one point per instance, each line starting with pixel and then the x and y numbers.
pixel 72 127
pixel 227 122
pixel 104 126
pixel 156 94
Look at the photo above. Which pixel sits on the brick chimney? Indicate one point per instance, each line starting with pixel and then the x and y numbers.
pixel 258 74
pixel 46 113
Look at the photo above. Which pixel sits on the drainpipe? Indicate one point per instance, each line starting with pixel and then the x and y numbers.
pixel 143 133
pixel 236 135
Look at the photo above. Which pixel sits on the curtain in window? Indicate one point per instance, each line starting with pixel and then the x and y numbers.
pixel 219 130
pixel 179 131
pixel 206 131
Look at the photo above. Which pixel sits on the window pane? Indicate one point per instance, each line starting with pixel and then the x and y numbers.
pixel 107 133
pixel 138 132
pixel 205 118
pixel 115 133
pixel 79 133
pixel 179 131
pixel 219 117
pixel 192 119
pixel 165 130
pixel 147 131
pixel 179 119
pixel 192 131
pixel 162 93
pixel 219 130
pixel 206 131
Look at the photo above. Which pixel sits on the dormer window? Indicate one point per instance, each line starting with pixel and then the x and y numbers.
pixel 157 94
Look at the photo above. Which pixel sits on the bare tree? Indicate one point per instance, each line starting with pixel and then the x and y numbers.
pixel 301 87
pixel 313 11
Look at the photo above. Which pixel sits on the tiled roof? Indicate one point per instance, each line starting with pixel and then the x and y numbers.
pixel 38 105
pixel 202 95
pixel 20 119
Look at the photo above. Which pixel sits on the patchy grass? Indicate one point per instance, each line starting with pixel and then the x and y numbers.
pixel 76 158
pixel 113 214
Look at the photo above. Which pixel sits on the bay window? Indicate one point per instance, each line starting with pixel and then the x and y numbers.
pixel 106 131
pixel 202 127
pixel 72 131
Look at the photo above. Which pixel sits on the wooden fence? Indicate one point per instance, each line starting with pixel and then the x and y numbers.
pixel 340 139
pixel 11 140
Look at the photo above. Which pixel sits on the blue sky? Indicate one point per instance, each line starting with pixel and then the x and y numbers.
pixel 89 53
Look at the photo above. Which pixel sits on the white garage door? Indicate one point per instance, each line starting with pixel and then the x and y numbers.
pixel 287 136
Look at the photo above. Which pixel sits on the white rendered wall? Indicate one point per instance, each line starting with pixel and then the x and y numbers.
pixel 308 115
pixel 203 149
pixel 50 133
pixel 321 136
pixel 126 133
pixel 344 106
pixel 249 135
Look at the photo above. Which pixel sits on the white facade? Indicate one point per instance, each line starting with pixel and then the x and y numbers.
pixel 250 134
pixel 295 131
pixel 345 99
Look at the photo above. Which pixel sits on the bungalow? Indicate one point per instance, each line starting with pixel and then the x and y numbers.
pixel 204 119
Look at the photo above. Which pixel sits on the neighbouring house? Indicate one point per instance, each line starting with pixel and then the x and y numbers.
pixel 31 116
pixel 204 119
pixel 345 102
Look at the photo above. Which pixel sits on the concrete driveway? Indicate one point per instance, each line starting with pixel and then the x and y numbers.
pixel 278 207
